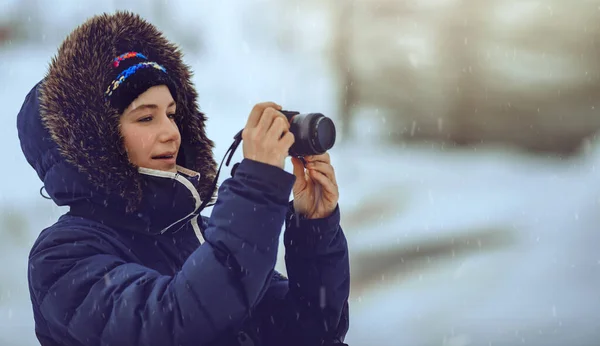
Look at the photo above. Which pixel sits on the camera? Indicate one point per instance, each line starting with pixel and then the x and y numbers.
pixel 314 133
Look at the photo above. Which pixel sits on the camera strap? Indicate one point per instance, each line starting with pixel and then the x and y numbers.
pixel 237 139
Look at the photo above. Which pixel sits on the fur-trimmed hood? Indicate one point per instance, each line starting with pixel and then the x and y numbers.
pixel 85 127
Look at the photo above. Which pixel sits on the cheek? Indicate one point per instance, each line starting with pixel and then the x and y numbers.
pixel 137 143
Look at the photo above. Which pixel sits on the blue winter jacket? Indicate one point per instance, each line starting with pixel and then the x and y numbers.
pixel 168 276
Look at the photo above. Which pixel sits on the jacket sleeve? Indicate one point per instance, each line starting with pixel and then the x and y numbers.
pixel 89 296
pixel 311 307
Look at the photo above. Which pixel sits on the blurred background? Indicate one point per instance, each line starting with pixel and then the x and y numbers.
pixel 467 155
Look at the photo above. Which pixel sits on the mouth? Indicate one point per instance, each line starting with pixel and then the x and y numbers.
pixel 165 156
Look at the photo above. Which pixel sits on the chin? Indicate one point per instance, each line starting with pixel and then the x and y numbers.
pixel 169 169
pixel 163 168
pixel 164 165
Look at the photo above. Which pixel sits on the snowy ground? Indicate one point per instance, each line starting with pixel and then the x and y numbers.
pixel 483 248
pixel 448 247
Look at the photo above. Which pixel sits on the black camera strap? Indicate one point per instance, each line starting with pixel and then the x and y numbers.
pixel 237 139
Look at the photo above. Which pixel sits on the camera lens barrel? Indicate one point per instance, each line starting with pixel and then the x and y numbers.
pixel 314 133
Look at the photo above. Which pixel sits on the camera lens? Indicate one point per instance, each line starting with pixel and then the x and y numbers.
pixel 325 134
pixel 314 133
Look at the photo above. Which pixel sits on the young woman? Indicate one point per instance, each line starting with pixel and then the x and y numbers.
pixel 114 132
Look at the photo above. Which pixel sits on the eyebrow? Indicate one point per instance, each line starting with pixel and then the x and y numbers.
pixel 149 106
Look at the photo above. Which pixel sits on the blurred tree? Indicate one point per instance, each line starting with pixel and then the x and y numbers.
pixel 22 21
pixel 494 71
pixel 14 227
pixel 342 64
pixel 5 33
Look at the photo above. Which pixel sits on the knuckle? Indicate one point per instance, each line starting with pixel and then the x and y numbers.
pixel 257 107
pixel 279 121
pixel 272 112
pixel 267 104
pixel 290 138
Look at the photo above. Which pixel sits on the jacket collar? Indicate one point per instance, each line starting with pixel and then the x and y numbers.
pixel 170 200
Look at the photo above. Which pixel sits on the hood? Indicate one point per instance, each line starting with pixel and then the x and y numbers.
pixel 69 134
pixel 168 200
pixel 82 127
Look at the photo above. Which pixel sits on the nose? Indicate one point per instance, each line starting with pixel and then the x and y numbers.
pixel 169 131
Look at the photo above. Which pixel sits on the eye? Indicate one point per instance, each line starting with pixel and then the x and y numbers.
pixel 172 116
pixel 145 119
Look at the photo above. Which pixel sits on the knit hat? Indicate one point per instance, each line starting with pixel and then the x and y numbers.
pixel 133 75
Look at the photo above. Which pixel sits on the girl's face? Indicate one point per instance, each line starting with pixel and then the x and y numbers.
pixel 149 130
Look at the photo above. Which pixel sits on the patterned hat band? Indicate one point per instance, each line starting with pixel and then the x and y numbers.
pixel 139 72
pixel 117 60
pixel 128 72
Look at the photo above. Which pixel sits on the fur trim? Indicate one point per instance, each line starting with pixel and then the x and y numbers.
pixel 85 126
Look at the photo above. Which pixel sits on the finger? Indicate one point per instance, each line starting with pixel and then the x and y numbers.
pixel 257 111
pixel 281 117
pixel 322 158
pixel 286 142
pixel 266 119
pixel 278 128
pixel 324 168
pixel 323 181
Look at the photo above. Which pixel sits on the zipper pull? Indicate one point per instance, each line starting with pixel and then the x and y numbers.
pixel 244 339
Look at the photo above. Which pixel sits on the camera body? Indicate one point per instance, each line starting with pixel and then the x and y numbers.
pixel 314 133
